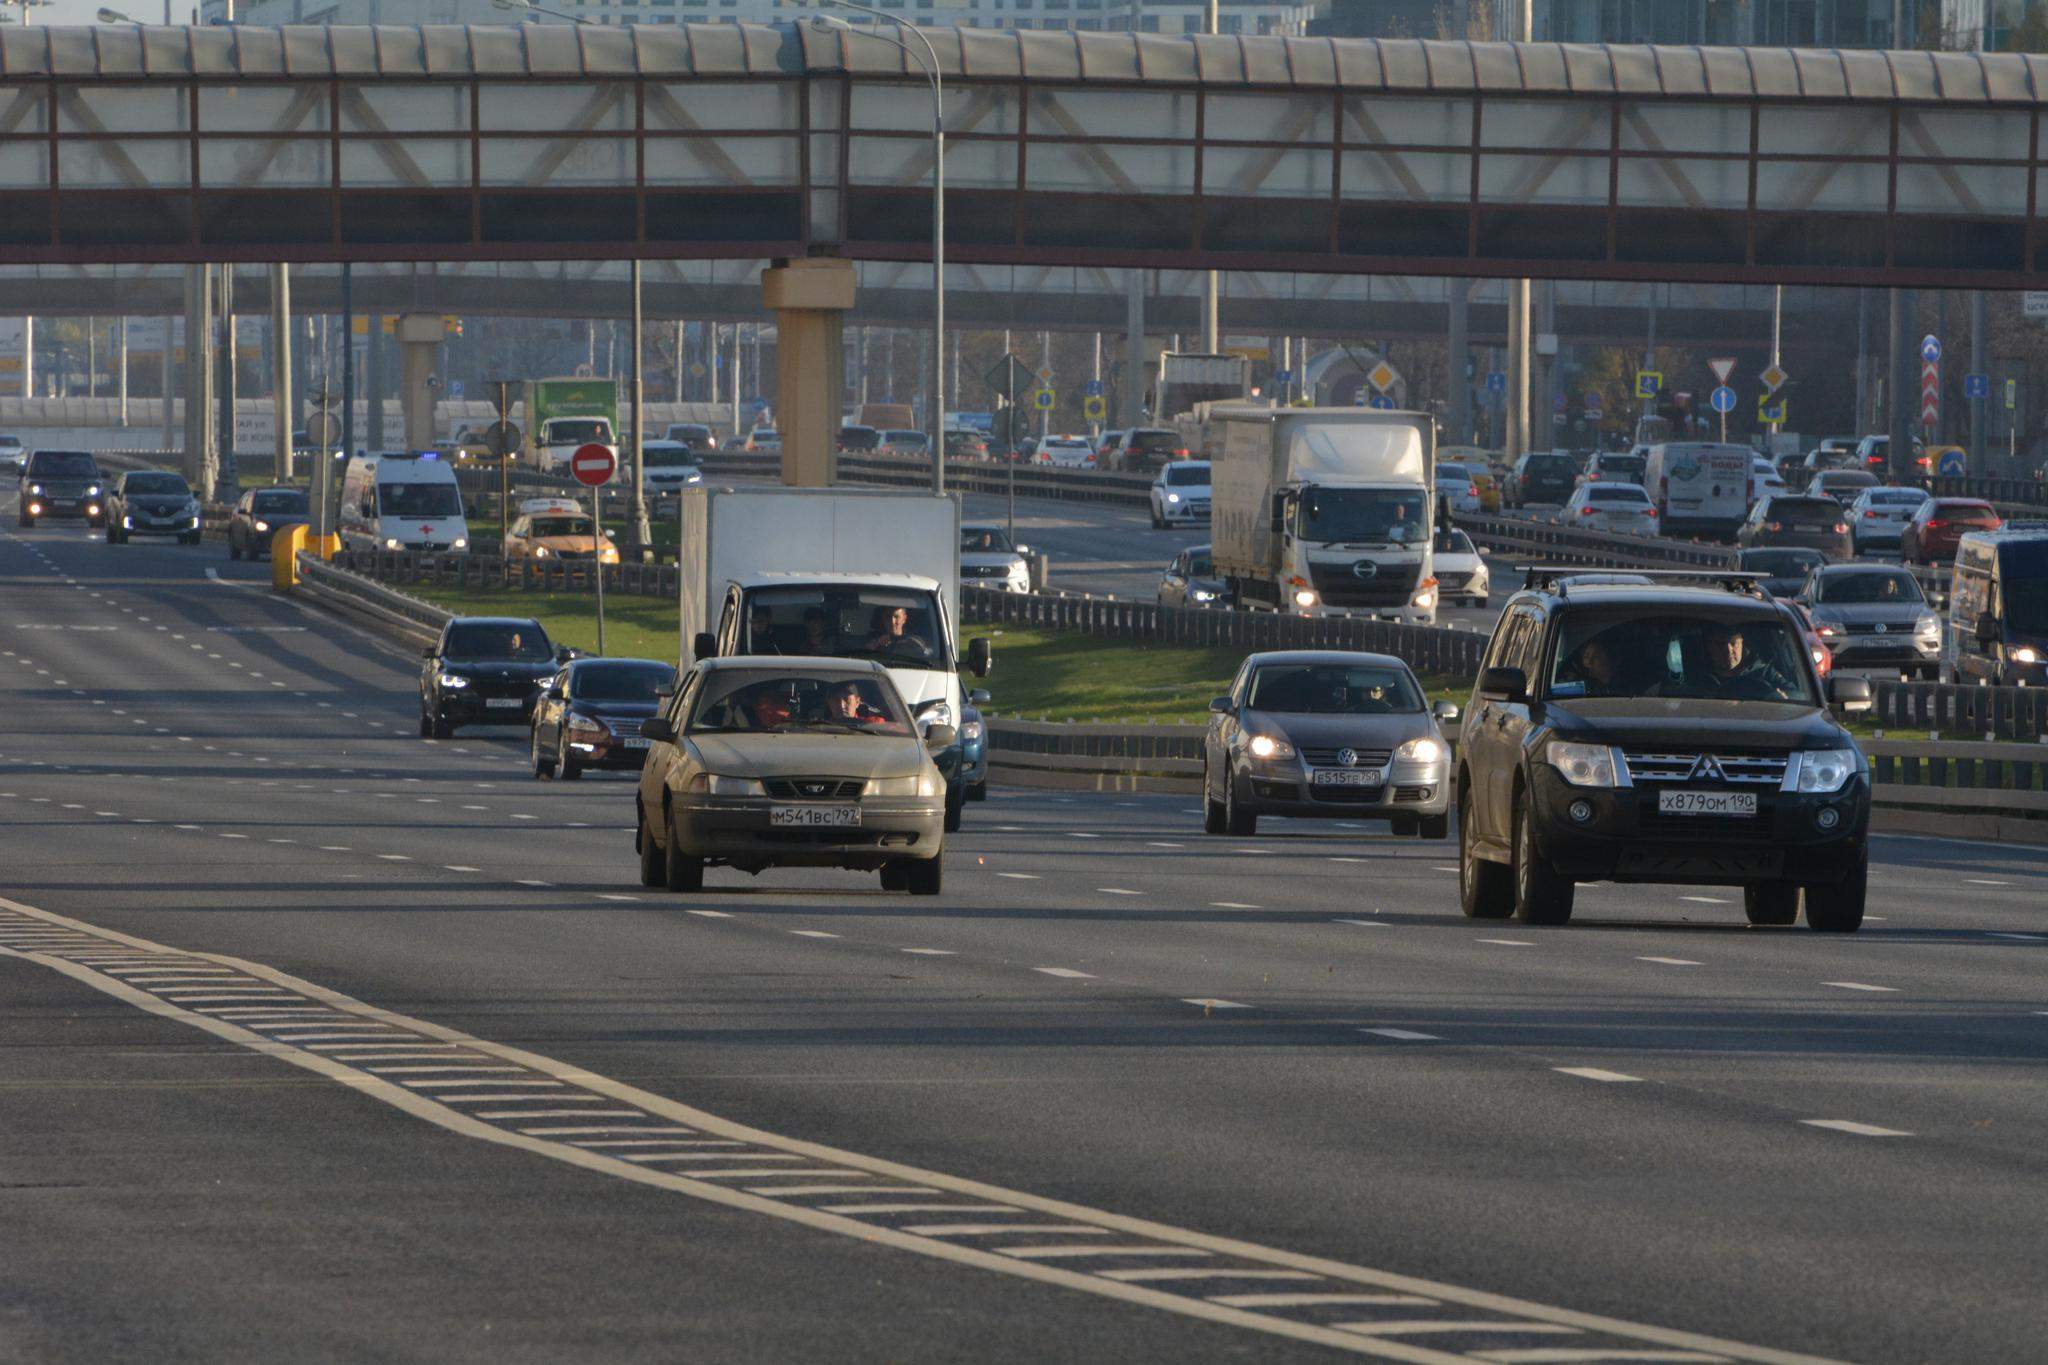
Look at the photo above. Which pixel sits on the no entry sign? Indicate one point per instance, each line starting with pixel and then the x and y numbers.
pixel 593 465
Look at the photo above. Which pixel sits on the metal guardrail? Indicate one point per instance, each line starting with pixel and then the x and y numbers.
pixel 1429 649
pixel 409 616
pixel 489 571
pixel 2001 713
pixel 1594 549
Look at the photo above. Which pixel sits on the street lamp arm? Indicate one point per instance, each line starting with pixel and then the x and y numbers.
pixel 886 17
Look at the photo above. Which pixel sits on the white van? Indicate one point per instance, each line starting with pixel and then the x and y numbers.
pixel 1701 488
pixel 401 502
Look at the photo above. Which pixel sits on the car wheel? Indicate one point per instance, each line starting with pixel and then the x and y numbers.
pixel 566 767
pixel 895 875
pixel 1215 820
pixel 1157 524
pixel 1435 827
pixel 234 550
pixel 925 876
pixel 191 538
pixel 1484 891
pixel 653 867
pixel 978 791
pixel 113 536
pixel 1235 820
pixel 1771 906
pixel 443 728
pixel 426 726
pixel 680 870
pixel 542 765
pixel 954 809
pixel 1837 907
pixel 1541 896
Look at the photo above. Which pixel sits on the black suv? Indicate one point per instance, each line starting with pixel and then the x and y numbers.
pixel 1659 733
pixel 485 670
pixel 63 483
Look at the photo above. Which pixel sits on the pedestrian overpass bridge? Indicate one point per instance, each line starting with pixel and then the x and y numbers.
pixel 534 142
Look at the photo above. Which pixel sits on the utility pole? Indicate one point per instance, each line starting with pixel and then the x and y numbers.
pixel 643 534
pixel 348 381
pixel 1212 329
pixel 281 359
pixel 1977 367
pixel 1523 31
pixel 1777 331
pixel 121 365
pixel 230 475
pixel 1459 344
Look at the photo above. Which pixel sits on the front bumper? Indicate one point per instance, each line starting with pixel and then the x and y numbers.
pixel 466 708
pixel 146 526
pixel 607 753
pixel 1627 840
pixel 738 831
pixel 1885 651
pixel 1194 513
pixel 47 506
pixel 1410 790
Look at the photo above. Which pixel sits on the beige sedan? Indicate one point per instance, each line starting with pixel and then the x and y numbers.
pixel 761 761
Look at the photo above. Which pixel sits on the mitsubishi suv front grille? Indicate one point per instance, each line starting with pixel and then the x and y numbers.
pixel 1746 769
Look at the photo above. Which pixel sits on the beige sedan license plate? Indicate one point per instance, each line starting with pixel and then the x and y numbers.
pixel 1346 777
pixel 1706 803
pixel 814 817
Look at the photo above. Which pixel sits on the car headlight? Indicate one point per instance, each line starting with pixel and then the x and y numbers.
pixel 35 488
pixel 1583 765
pixel 971 730
pixel 1201 595
pixel 2024 654
pixel 391 543
pixel 1304 598
pixel 940 713
pixel 127 523
pixel 584 725
pixel 1421 749
pixel 263 526
pixel 93 491
pixel 461 542
pixel 1822 770
pixel 1173 497
pixel 918 784
pixel 1269 746
pixel 716 784
pixel 540 552
pixel 452 680
pixel 1929 624
pixel 1425 598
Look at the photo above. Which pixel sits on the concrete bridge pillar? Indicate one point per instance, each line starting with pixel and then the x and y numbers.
pixel 419 342
pixel 810 298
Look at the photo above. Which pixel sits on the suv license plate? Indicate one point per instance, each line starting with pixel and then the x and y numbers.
pixel 634 742
pixel 503 703
pixel 1706 803
pixel 814 817
pixel 1346 777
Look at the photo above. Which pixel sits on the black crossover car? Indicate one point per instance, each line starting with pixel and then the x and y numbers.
pixel 152 502
pixel 589 715
pixel 485 670
pixel 63 483
pixel 1659 733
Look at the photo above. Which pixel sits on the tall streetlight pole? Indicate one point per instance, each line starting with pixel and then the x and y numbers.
pixel 935 408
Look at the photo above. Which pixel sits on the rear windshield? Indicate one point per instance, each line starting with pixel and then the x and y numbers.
pixel 1885 586
pixel 1452 472
pixel 1806 509
pixel 1550 466
pixel 157 485
pixel 63 464
pixel 1964 511
pixel 521 640
pixel 1898 497
pixel 1333 689
pixel 1781 563
pixel 621 681
pixel 859 438
pixel 1847 478
pixel 1629 467
pixel 1155 440
pixel 1180 475
pixel 282 503
pixel 1615 492
pixel 688 432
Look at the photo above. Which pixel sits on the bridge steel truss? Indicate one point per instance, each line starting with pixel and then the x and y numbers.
pixel 1396 157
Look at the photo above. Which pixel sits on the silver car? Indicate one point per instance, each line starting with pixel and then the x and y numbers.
pixel 1879 514
pixel 760 761
pixel 1326 734
pixel 1874 616
pixel 1622 507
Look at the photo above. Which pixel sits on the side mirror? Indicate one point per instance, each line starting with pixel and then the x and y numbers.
pixel 704 645
pixel 659 730
pixel 1989 632
pixel 431 651
pixel 563 654
pixel 1279 512
pixel 1445 710
pixel 978 697
pixel 979 657
pixel 941 737
pixel 1852 694
pixel 1222 706
pixel 1509 685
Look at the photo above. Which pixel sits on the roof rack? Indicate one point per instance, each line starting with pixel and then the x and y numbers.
pixel 1557 578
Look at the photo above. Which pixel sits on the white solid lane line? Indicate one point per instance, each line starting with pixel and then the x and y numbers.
pixel 1859 986
pixel 1510 942
pixel 1594 1073
pixel 1670 961
pixel 1364 923
pixel 1066 972
pixel 1403 1035
pixel 1209 1003
pixel 1850 1126
pixel 1234 905
pixel 812 933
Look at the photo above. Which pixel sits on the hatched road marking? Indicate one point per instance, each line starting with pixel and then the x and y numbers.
pixel 1125 1269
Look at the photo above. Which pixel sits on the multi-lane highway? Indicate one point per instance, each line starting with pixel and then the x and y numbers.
pixel 326 1042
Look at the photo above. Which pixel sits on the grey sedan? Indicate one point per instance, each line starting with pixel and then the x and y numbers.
pixel 1873 616
pixel 1192 581
pixel 762 761
pixel 1326 734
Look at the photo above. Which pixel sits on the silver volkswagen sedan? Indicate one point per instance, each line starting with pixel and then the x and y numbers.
pixel 1326 734
pixel 763 761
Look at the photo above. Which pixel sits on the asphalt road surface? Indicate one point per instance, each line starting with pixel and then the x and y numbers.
pixel 323 1042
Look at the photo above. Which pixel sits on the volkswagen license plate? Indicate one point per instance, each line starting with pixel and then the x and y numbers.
pixel 503 703
pixel 814 817
pixel 1346 777
pixel 1706 803
pixel 633 741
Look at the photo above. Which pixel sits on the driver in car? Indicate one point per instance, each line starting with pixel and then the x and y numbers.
pixel 892 629
pixel 847 703
pixel 1732 674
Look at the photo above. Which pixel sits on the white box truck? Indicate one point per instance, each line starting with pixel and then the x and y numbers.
pixel 1325 510
pixel 852 573
pixel 1701 488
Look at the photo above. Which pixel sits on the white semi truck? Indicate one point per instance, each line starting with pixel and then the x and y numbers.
pixel 1325 510
pixel 837 572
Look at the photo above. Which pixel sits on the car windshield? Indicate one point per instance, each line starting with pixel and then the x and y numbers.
pixel 1888 587
pixel 1201 566
pixel 1781 563
pixel 668 457
pixel 283 503
pixel 899 627
pixel 62 464
pixel 1452 473
pixel 859 438
pixel 563 430
pixel 523 641
pixel 1454 542
pixel 2023 587
pixel 156 485
pixel 1153 441
pixel 1606 654
pixel 985 540
pixel 1898 497
pixel 1333 689
pixel 906 438
pixel 561 526
pixel 1362 515
pixel 769 701
pixel 620 680
pixel 1805 509
pixel 419 500
pixel 1615 492
pixel 1186 474
pixel 687 432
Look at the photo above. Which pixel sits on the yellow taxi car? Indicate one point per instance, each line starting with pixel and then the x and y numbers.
pixel 1488 484
pixel 555 528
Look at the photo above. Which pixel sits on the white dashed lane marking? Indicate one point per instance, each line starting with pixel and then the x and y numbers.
pixel 1594 1073
pixel 1852 1127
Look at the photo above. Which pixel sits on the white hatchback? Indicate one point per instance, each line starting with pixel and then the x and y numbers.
pixel 1180 493
pixel 1622 507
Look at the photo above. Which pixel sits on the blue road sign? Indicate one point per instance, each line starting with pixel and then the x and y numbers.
pixel 1724 399
pixel 1953 465
pixel 455 390
pixel 1976 386
pixel 1093 388
pixel 1380 400
pixel 1496 382
pixel 1930 349
pixel 1283 376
